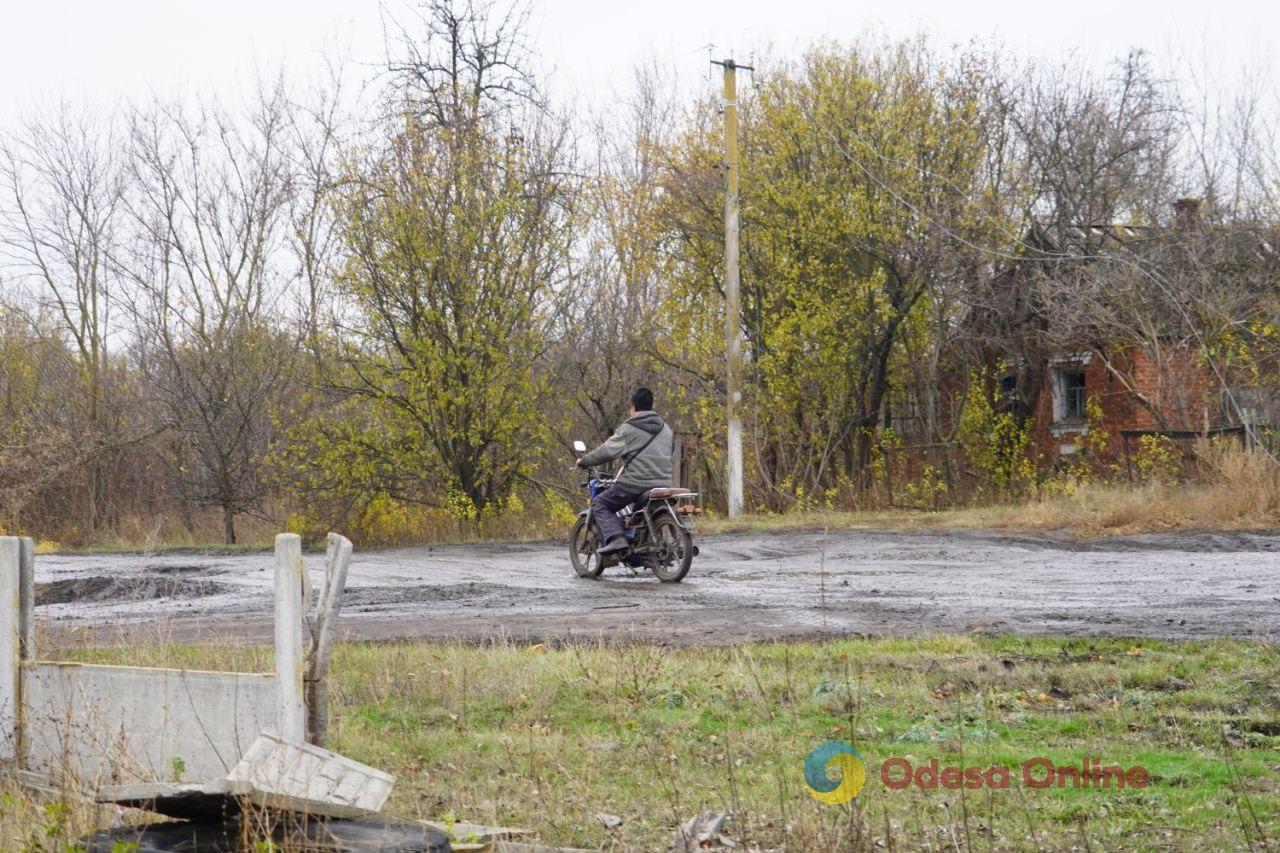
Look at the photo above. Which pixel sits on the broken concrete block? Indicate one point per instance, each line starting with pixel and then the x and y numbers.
pixel 476 837
pixel 303 778
pixel 314 834
pixel 702 832
pixel 208 801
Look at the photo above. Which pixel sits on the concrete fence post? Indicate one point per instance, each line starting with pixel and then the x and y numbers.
pixel 10 642
pixel 27 600
pixel 291 711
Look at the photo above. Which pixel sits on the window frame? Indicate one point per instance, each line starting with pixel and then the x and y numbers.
pixel 1066 392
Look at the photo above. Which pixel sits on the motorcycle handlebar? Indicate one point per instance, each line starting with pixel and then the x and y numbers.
pixel 595 472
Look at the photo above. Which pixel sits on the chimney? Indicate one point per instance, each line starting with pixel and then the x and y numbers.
pixel 1186 214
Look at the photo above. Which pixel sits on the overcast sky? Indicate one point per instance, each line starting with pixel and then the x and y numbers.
pixel 103 50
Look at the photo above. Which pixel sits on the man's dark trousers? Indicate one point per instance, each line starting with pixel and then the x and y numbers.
pixel 605 505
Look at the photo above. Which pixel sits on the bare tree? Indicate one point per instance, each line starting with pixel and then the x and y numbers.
pixel 606 336
pixel 208 208
pixel 1097 151
pixel 318 131
pixel 1092 163
pixel 461 60
pixel 62 180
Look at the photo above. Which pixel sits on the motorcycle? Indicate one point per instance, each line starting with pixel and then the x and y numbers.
pixel 658 528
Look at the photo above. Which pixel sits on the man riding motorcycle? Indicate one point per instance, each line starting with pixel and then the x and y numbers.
pixel 644 443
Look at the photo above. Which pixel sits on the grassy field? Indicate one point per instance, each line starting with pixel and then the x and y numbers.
pixel 547 739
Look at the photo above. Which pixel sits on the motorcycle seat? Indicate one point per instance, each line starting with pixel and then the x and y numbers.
pixel 662 494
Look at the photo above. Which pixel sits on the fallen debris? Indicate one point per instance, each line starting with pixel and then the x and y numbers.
pixel 282 792
pixel 273 774
pixel 476 836
pixel 702 832
pixel 196 801
pixel 309 780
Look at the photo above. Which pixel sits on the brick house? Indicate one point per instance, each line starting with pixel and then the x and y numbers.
pixel 1174 396
pixel 1130 388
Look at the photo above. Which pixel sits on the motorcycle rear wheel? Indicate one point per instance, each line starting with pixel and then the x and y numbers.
pixel 671 550
pixel 582 549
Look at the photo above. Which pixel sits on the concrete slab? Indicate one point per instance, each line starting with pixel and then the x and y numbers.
pixel 476 837
pixel 209 801
pixel 463 831
pixel 303 778
pixel 225 836
pixel 112 725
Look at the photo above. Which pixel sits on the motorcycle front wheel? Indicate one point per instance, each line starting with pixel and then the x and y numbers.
pixel 582 549
pixel 671 550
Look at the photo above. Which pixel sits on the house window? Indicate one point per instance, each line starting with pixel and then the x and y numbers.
pixel 1069 399
pixel 1009 385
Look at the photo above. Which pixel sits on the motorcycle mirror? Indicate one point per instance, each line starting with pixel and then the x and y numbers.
pixel 579 447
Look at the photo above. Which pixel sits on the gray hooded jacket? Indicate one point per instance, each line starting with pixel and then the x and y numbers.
pixel 644 469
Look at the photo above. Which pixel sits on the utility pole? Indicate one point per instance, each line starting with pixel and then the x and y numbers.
pixel 733 307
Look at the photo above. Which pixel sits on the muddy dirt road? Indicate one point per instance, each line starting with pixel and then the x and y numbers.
pixel 740 588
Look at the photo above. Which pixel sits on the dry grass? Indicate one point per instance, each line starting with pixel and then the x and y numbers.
pixel 54 821
pixel 162 531
pixel 1237 490
pixel 401 525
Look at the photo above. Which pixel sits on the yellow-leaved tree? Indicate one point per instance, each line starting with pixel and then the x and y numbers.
pixel 865 172
pixel 454 225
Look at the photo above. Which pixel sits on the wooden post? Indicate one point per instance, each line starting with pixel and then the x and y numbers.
pixel 337 560
pixel 677 460
pixel 10 643
pixel 290 709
